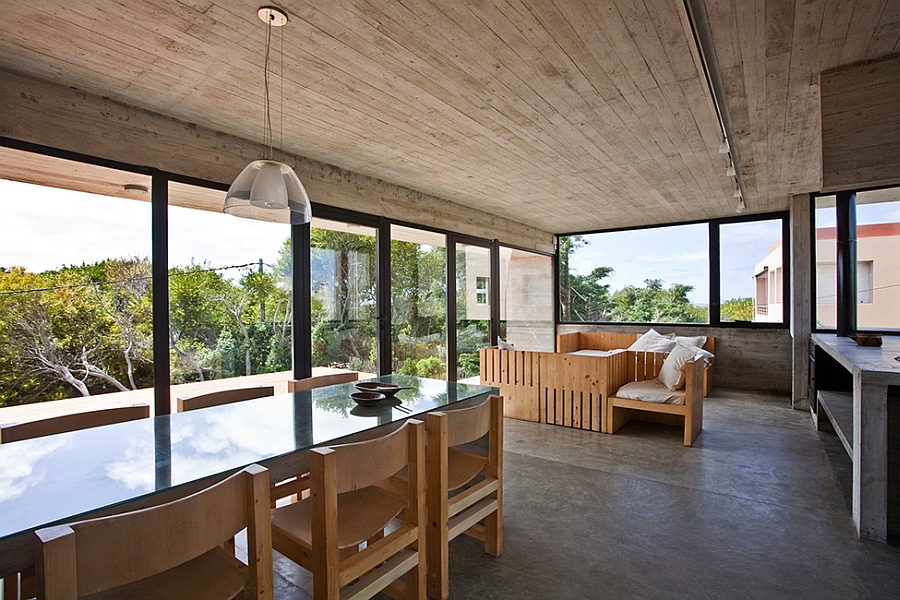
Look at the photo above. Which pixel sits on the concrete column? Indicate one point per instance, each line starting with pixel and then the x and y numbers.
pixel 801 303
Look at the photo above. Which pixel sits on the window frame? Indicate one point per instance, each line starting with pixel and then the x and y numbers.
pixel 714 262
pixel 841 294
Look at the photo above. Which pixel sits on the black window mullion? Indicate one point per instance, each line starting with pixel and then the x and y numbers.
pixel 495 292
pixel 301 319
pixel 715 276
pixel 383 297
pixel 451 308
pixel 159 199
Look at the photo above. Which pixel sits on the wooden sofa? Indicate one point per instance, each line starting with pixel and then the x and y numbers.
pixel 598 340
pixel 643 366
pixel 550 387
pixel 574 390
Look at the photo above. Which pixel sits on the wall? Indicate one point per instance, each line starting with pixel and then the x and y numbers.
pixel 860 128
pixel 751 359
pixel 66 119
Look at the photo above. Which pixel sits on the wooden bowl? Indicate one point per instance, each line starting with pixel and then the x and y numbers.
pixel 367 398
pixel 388 389
pixel 867 339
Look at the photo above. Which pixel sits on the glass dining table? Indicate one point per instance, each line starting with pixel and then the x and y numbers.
pixel 120 467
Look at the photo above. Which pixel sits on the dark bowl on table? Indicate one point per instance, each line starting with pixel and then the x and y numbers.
pixel 367 398
pixel 388 389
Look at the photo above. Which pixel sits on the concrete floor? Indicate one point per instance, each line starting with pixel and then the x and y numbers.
pixel 753 510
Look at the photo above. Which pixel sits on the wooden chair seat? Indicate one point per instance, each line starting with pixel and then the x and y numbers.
pixel 211 576
pixel 361 514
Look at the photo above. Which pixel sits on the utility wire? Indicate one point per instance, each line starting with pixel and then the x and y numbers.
pixel 144 278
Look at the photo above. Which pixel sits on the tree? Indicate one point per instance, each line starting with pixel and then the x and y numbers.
pixel 653 304
pixel 589 299
pixel 737 309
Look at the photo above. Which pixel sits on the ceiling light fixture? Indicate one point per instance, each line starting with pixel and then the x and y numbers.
pixel 724 148
pixel 268 185
pixel 741 207
pixel 730 172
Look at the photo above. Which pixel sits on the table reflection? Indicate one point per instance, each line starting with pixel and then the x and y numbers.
pixel 59 477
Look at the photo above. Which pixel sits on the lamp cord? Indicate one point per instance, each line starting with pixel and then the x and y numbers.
pixel 267 136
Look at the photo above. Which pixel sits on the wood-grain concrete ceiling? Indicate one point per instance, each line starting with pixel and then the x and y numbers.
pixel 567 115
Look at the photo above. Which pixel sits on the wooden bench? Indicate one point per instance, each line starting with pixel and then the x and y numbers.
pixel 601 340
pixel 646 366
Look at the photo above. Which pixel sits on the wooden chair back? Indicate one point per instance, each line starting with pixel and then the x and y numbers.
pixel 184 535
pixel 353 498
pixel 13 432
pixel 224 397
pixel 449 469
pixel 317 381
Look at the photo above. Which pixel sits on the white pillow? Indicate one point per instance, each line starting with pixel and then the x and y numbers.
pixel 505 345
pixel 648 391
pixel 653 342
pixel 698 340
pixel 670 375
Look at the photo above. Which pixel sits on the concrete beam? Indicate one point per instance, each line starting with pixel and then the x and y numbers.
pixel 67 119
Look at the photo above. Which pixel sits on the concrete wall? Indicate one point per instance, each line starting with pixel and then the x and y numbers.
pixel 67 119
pixel 752 359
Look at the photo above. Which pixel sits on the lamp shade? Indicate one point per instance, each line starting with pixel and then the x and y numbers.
pixel 268 185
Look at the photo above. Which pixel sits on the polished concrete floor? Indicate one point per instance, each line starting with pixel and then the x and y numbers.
pixel 754 510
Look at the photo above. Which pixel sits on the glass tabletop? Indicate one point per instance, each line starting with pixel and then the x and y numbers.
pixel 60 477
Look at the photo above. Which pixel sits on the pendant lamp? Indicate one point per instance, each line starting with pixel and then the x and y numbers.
pixel 267 186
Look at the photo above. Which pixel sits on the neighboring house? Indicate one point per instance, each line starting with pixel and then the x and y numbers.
pixel 877 279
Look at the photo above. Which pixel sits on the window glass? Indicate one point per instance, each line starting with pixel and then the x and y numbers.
pixel 826 259
pixel 751 272
pixel 473 318
pixel 878 259
pixel 75 311
pixel 418 302
pixel 229 290
pixel 526 300
pixel 342 280
pixel 640 276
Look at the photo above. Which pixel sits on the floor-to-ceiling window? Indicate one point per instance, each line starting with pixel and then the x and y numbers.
pixel 473 307
pixel 229 290
pixel 526 299
pixel 878 259
pixel 343 286
pixel 418 302
pixel 75 309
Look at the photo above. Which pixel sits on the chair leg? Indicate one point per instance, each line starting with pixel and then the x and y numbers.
pixel 493 532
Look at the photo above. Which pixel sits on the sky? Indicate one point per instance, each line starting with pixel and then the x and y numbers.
pixel 46 228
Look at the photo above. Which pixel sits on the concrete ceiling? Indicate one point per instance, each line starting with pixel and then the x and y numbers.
pixel 567 115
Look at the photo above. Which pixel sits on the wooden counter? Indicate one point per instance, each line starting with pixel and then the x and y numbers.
pixel 873 370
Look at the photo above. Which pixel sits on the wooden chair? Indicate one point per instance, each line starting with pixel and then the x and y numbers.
pixel 224 397
pixel 353 498
pixel 450 469
pixel 645 366
pixel 167 551
pixel 317 381
pixel 14 432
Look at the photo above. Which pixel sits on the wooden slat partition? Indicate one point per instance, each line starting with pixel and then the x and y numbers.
pixel 515 372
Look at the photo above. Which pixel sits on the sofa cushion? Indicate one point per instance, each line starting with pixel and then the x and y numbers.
pixel 653 342
pixel 650 390
pixel 671 375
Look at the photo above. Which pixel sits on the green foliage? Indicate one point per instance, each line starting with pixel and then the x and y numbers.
pixel 653 303
pixel 737 309
pixel 87 329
